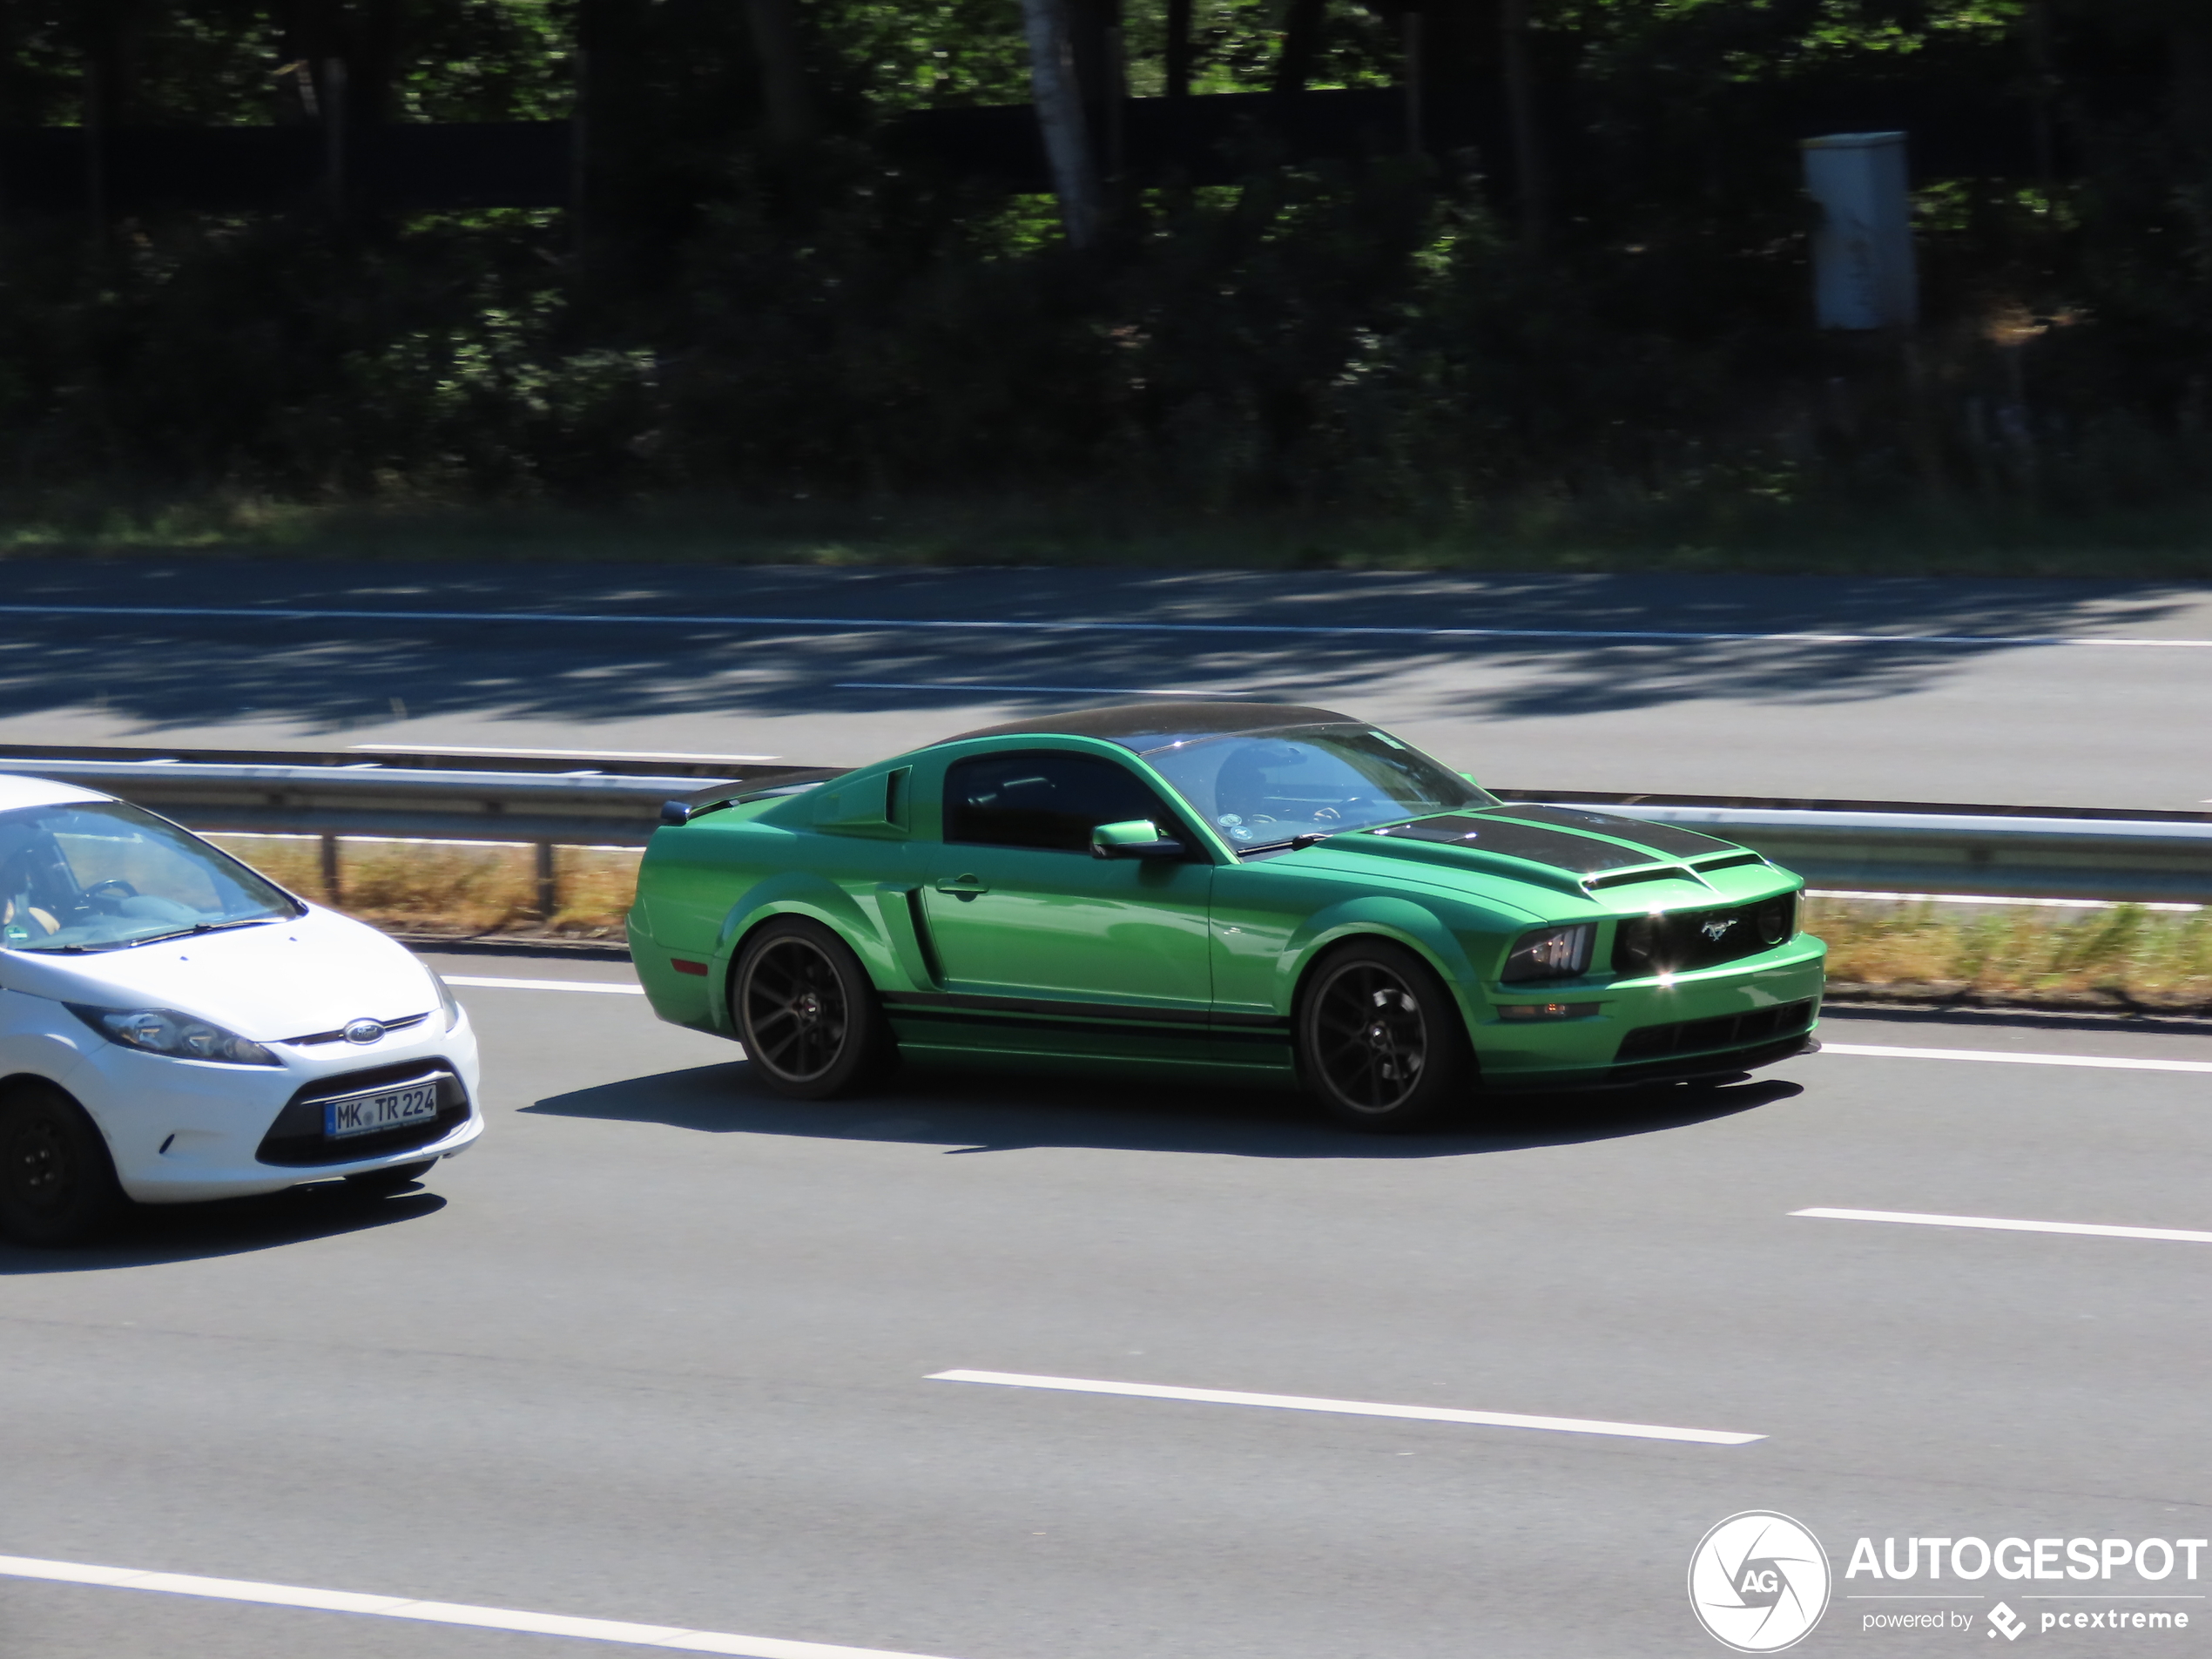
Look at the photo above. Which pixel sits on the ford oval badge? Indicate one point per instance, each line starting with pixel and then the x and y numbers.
pixel 362 1030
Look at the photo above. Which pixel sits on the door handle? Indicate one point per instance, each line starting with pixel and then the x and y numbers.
pixel 962 884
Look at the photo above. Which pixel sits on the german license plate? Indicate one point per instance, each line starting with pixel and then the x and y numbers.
pixel 388 1108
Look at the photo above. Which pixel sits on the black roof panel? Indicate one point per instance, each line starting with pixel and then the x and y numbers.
pixel 1146 726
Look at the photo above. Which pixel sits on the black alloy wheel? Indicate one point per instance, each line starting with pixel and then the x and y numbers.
pixel 1381 1042
pixel 805 1012
pixel 57 1182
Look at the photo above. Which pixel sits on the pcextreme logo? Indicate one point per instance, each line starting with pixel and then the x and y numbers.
pixel 1759 1581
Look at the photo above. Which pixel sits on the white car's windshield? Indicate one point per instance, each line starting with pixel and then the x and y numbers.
pixel 1265 788
pixel 101 875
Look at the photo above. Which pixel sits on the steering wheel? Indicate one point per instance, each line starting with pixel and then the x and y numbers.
pixel 114 887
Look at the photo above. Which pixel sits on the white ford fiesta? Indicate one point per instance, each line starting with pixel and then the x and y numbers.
pixel 175 1027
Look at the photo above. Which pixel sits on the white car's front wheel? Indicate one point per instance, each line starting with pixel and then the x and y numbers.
pixel 57 1182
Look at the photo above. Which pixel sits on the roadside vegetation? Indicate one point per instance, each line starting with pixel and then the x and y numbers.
pixel 772 332
pixel 2124 958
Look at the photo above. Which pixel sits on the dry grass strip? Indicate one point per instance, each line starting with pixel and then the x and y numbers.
pixel 2123 956
pixel 465 889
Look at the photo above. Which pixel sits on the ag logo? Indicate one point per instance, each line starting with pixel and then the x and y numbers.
pixel 1758 1582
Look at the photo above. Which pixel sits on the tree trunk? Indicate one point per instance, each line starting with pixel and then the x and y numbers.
pixel 2189 52
pixel 1301 44
pixel 1059 99
pixel 1530 180
pixel 1178 53
pixel 783 71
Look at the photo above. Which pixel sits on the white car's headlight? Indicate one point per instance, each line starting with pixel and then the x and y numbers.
pixel 180 1036
pixel 446 1000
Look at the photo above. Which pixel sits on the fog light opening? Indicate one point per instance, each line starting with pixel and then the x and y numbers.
pixel 1525 1011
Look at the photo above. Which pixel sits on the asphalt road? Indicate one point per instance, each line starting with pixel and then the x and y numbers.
pixel 659 1349
pixel 2052 693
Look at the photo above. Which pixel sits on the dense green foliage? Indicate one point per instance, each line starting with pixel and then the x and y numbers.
pixel 1386 337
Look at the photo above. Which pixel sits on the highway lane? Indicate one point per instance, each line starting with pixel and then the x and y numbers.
pixel 2005 692
pixel 660 1350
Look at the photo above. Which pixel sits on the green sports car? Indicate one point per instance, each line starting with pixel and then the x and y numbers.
pixel 1232 892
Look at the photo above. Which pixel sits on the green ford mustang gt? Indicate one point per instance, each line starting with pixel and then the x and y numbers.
pixel 1237 891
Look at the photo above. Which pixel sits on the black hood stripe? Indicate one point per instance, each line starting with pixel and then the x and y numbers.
pixel 1578 854
pixel 1664 839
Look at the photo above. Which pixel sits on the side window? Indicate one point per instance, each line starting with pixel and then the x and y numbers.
pixel 1046 799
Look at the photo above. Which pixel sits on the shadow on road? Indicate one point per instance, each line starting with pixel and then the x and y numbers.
pixel 331 674
pixel 155 1234
pixel 972 1115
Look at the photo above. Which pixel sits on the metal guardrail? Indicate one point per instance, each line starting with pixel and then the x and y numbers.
pixel 615 801
pixel 2145 860
pixel 593 801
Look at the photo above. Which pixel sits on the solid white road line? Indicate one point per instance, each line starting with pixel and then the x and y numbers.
pixel 557 754
pixel 1997 1057
pixel 1071 690
pixel 667 1637
pixel 1351 1407
pixel 1875 1050
pixel 2181 1235
pixel 543 985
pixel 297 613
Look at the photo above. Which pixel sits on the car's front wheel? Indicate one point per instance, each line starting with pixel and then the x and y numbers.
pixel 1381 1043
pixel 806 1011
pixel 57 1182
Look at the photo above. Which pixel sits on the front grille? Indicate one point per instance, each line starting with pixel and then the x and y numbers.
pixel 1682 940
pixel 296 1137
pixel 1729 1031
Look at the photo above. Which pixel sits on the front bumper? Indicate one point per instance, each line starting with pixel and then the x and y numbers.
pixel 181 1130
pixel 1672 1028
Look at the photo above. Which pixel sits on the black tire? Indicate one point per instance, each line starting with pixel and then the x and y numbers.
pixel 806 1011
pixel 381 1182
pixel 1381 1044
pixel 57 1182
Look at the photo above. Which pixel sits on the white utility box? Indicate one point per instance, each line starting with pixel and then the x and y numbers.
pixel 1863 272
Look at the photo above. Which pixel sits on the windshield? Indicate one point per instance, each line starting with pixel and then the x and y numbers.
pixel 99 875
pixel 1264 788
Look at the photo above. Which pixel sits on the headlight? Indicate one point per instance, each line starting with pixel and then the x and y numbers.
pixel 446 998
pixel 180 1036
pixel 1550 952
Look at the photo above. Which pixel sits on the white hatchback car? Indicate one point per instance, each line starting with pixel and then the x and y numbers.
pixel 175 1027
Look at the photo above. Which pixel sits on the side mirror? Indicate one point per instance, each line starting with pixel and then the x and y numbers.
pixel 675 813
pixel 1137 837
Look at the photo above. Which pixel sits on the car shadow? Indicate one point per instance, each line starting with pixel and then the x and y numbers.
pixel 151 1234
pixel 967 1114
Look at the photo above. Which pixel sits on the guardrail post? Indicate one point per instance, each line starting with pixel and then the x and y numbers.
pixel 331 894
pixel 549 884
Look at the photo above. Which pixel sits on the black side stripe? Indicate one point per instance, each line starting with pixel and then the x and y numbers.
pixel 1095 1016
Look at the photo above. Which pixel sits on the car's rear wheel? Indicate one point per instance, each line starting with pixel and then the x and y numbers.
pixel 806 1011
pixel 57 1182
pixel 381 1182
pixel 1381 1043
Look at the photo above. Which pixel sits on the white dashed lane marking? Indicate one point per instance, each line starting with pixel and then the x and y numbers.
pixel 542 985
pixel 1351 1407
pixel 2000 1058
pixel 2172 1235
pixel 669 1638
